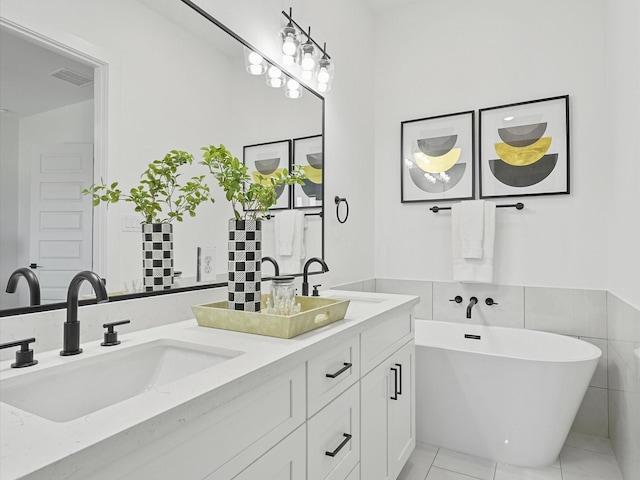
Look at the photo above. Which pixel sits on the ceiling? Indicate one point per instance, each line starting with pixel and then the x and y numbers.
pixel 26 84
pixel 386 5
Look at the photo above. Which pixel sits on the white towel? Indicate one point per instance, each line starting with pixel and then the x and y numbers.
pixel 285 228
pixel 290 262
pixel 468 268
pixel 471 224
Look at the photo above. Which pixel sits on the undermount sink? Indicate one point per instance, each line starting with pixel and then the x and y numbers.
pixel 69 391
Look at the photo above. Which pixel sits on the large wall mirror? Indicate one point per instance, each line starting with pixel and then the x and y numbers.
pixel 179 82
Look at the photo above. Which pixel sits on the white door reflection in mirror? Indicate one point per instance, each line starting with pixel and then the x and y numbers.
pixel 60 234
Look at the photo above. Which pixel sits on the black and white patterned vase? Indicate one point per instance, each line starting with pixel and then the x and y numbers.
pixel 245 260
pixel 157 256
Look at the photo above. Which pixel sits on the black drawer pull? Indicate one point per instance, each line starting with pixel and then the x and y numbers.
pixel 346 367
pixel 347 437
pixel 395 384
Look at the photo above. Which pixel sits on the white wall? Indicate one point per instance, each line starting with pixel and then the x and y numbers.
pixel 8 201
pixel 447 56
pixel 623 119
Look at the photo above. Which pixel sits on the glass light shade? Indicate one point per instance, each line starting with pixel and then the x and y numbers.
pixel 275 78
pixel 307 59
pixel 256 65
pixel 326 71
pixel 290 40
pixel 293 89
pixel 288 60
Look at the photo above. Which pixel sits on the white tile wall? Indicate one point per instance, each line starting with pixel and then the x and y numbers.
pixel 624 384
pixel 593 415
pixel 567 311
pixel 509 311
pixel 423 289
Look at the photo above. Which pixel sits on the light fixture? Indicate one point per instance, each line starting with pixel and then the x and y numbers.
pixel 275 77
pixel 290 41
pixel 255 63
pixel 312 70
pixel 326 69
pixel 293 89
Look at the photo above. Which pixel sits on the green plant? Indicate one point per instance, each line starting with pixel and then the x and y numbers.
pixel 159 187
pixel 249 200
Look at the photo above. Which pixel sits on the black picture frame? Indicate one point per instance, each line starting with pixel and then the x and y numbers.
pixel 266 159
pixel 437 158
pixel 308 154
pixel 524 148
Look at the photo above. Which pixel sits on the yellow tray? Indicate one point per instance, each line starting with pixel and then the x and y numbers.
pixel 315 312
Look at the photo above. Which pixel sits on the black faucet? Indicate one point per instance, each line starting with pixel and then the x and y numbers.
pixel 71 338
pixel 305 276
pixel 472 302
pixel 32 281
pixel 272 260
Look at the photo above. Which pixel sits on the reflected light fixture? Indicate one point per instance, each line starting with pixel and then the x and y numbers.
pixel 293 89
pixel 255 63
pixel 275 77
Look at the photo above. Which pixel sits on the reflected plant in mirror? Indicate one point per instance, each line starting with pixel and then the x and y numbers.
pixel 159 186
pixel 249 200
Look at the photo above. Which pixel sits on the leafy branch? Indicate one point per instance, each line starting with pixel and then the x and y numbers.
pixel 159 186
pixel 249 200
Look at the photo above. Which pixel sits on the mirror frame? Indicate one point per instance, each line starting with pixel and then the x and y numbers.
pixel 61 305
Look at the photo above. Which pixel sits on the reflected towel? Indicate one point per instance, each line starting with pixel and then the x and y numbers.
pixel 468 268
pixel 291 262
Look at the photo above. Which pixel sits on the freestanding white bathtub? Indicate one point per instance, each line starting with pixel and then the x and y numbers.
pixel 506 394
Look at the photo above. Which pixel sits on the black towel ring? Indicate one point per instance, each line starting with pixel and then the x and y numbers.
pixel 338 201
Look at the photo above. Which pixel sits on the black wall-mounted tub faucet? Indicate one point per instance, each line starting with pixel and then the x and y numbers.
pixel 472 302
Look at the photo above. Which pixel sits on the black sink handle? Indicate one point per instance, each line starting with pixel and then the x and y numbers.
pixel 24 356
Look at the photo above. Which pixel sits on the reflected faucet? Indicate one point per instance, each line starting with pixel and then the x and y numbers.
pixel 71 337
pixel 472 302
pixel 305 275
pixel 272 260
pixel 32 281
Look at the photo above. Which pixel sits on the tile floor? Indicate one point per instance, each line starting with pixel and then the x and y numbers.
pixel 583 457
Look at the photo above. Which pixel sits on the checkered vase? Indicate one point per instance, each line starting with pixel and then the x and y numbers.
pixel 245 260
pixel 157 256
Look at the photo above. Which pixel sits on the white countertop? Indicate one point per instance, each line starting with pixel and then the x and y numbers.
pixel 29 442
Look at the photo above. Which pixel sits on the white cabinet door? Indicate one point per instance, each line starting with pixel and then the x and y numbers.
pixel 388 416
pixel 286 461
pixel 374 461
pixel 402 429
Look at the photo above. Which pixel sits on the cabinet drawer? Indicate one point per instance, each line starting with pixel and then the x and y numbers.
pixel 382 340
pixel 331 373
pixel 333 438
pixel 285 461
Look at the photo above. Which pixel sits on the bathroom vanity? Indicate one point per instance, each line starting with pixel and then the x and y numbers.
pixel 328 404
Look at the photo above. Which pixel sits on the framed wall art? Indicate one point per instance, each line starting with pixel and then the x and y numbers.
pixel 524 148
pixel 437 158
pixel 267 159
pixel 308 154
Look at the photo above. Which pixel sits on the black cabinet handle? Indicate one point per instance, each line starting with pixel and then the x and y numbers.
pixel 346 367
pixel 395 384
pixel 400 376
pixel 347 437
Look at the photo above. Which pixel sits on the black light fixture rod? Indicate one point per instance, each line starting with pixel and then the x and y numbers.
pixel 308 35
